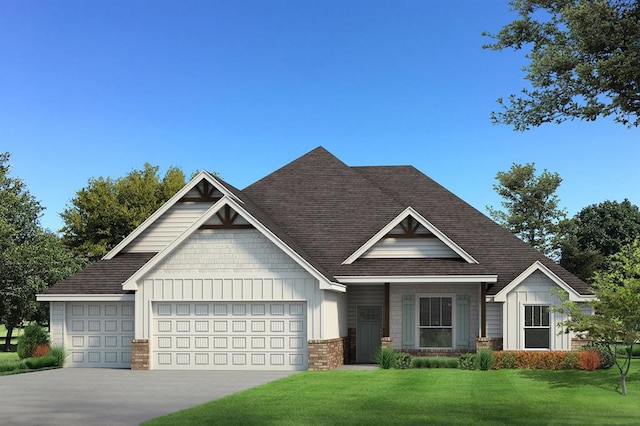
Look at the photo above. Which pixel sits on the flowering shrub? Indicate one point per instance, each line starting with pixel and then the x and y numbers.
pixel 589 360
pixel 544 360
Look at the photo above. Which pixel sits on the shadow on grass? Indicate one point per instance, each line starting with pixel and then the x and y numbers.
pixel 608 380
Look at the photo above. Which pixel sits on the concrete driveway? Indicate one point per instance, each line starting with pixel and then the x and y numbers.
pixel 100 396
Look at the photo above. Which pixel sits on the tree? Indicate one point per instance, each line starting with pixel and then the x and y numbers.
pixel 30 258
pixel 584 61
pixel 531 205
pixel 107 210
pixel 616 317
pixel 598 231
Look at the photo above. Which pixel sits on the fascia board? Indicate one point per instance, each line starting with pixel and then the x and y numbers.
pixel 166 206
pixel 85 297
pixel 501 296
pixel 347 279
pixel 409 211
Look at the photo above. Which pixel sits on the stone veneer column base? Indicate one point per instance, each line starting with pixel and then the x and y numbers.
pixel 493 343
pixel 140 354
pixel 386 342
pixel 326 354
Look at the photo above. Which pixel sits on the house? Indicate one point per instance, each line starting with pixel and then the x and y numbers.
pixel 314 265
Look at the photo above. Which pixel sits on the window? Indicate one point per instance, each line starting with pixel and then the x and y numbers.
pixel 436 325
pixel 537 332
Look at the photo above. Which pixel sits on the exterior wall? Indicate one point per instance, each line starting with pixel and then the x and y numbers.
pixel 397 291
pixel 56 323
pixel 326 354
pixel 229 265
pixel 494 319
pixel 410 248
pixel 534 290
pixel 363 295
pixel 167 228
pixel 334 315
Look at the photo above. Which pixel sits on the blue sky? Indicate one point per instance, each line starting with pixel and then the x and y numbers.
pixel 98 88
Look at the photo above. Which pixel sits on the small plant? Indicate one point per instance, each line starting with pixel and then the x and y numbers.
pixel 606 357
pixel 467 361
pixel 41 349
pixel 33 336
pixel 435 362
pixel 386 358
pixel 570 361
pixel 509 360
pixel 589 360
pixel 59 354
pixel 41 362
pixel 403 360
pixel 485 359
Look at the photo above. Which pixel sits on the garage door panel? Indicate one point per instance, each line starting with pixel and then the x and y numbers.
pixel 255 335
pixel 99 334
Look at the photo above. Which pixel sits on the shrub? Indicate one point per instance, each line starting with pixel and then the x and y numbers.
pixel 467 361
pixel 606 357
pixel 435 362
pixel 12 366
pixel 41 349
pixel 386 358
pixel 485 359
pixel 589 360
pixel 570 361
pixel 509 360
pixel 403 360
pixel 59 354
pixel 33 336
pixel 41 362
pixel 635 352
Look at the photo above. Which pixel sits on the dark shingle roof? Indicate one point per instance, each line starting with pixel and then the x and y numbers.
pixel 102 277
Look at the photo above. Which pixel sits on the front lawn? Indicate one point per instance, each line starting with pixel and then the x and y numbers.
pixel 429 396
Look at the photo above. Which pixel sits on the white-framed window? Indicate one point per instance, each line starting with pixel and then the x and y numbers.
pixel 435 321
pixel 537 331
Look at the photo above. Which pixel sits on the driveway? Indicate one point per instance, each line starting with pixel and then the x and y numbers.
pixel 100 396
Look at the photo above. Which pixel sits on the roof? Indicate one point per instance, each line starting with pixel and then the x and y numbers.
pixel 102 277
pixel 325 210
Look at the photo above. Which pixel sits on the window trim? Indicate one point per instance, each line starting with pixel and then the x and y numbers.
pixel 523 327
pixel 418 327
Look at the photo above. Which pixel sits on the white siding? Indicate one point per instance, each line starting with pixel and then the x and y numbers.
pixel 534 290
pixel 410 248
pixel 494 320
pixel 397 291
pixel 167 227
pixel 334 322
pixel 228 265
pixel 363 295
pixel 56 323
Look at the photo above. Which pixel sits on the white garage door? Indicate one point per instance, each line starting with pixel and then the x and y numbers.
pixel 229 336
pixel 99 334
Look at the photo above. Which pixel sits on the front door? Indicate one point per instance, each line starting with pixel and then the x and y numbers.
pixel 368 332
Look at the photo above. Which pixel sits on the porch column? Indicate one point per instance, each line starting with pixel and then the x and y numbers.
pixel 483 309
pixel 385 323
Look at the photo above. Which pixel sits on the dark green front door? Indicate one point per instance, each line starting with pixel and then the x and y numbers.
pixel 368 332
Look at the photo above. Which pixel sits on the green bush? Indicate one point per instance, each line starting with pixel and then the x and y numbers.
pixel 485 359
pixel 509 360
pixel 571 361
pixel 606 357
pixel 59 354
pixel 386 358
pixel 467 361
pixel 434 362
pixel 403 360
pixel 32 336
pixel 41 362
pixel 635 352
pixel 12 366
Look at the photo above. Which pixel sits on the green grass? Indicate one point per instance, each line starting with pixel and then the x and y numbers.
pixel 440 396
pixel 8 356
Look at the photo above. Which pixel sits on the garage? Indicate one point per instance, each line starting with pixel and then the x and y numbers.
pixel 229 335
pixel 99 334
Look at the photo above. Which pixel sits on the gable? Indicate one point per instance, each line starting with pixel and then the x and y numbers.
pixel 410 240
pixel 410 236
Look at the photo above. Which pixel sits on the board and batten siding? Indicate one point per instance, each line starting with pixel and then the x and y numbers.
pixel 410 248
pixel 536 289
pixel 230 265
pixel 167 227
pixel 397 291
pixel 494 319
